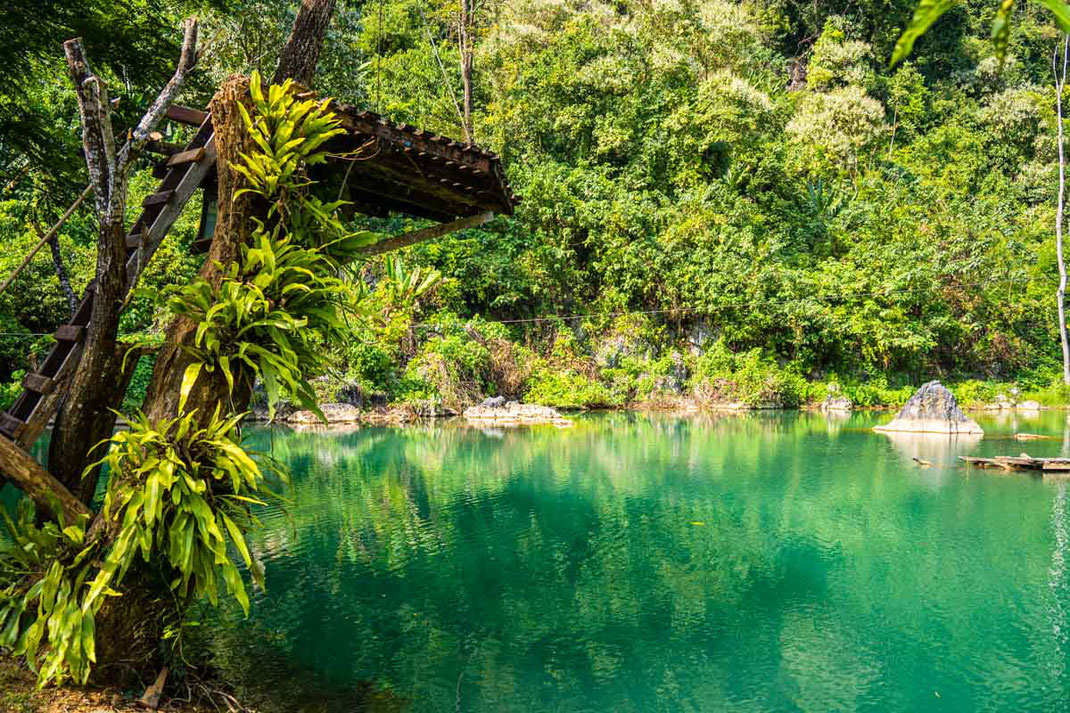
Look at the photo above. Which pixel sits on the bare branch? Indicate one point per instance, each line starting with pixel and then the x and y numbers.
pixel 97 136
pixel 152 118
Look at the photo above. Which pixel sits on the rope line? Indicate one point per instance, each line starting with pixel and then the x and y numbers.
pixel 825 302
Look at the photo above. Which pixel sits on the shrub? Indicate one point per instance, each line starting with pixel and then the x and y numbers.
pixel 749 378
pixel 568 389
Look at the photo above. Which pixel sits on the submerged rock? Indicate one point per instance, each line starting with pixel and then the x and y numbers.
pixel 932 409
pixel 514 413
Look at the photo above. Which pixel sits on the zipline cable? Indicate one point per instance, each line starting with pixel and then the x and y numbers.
pixel 826 302
pixel 45 238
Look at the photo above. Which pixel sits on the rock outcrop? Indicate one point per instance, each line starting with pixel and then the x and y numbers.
pixel 514 413
pixel 932 409
pixel 836 400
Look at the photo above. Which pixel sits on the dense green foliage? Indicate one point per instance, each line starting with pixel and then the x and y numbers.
pixel 754 177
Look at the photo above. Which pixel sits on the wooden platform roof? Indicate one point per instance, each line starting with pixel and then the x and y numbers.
pixel 408 170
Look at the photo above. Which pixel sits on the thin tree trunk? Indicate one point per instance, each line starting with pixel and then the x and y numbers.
pixel 302 51
pixel 61 274
pixel 1060 83
pixel 465 36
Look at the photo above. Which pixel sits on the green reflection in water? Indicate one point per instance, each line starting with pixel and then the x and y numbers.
pixel 757 562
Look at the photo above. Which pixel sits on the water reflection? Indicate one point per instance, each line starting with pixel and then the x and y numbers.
pixel 753 562
pixel 935 448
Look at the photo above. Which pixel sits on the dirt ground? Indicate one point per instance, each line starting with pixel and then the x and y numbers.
pixel 18 695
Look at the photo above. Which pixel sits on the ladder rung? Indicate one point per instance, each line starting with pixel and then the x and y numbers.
pixel 163 147
pixel 11 425
pixel 133 241
pixel 38 382
pixel 157 198
pixel 184 157
pixel 69 333
pixel 186 115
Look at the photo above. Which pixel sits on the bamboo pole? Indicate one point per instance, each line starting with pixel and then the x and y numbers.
pixel 47 236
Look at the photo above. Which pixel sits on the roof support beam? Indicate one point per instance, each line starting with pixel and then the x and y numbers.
pixel 418 236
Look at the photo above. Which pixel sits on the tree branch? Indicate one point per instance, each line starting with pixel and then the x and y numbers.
pixel 152 118
pixel 97 136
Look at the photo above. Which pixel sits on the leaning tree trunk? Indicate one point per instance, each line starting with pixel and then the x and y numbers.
pixel 302 51
pixel 232 230
pixel 233 224
pixel 84 418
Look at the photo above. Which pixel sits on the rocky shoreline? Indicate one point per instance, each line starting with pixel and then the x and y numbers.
pixel 516 413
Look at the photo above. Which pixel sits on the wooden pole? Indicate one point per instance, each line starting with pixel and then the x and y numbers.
pixel 47 236
pixel 418 236
pixel 38 484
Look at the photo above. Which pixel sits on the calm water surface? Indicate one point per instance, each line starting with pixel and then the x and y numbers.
pixel 763 562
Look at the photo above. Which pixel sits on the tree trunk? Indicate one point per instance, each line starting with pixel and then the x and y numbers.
pixel 302 51
pixel 232 230
pixel 85 417
pixel 87 414
pixel 1060 295
pixel 61 274
pixel 466 40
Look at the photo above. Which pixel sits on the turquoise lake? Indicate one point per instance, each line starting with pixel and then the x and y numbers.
pixel 743 562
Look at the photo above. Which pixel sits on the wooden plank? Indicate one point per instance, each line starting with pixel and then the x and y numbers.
pixel 133 241
pixel 151 699
pixel 191 156
pixel 186 115
pixel 37 483
pixel 10 425
pixel 47 404
pixel 157 198
pixel 38 382
pixel 163 147
pixel 69 333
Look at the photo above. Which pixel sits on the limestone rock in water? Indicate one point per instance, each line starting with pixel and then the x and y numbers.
pixel 514 414
pixel 493 402
pixel 932 409
pixel 1029 406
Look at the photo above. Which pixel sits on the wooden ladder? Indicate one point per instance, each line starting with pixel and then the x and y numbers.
pixel 184 173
